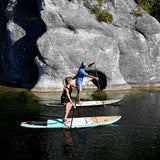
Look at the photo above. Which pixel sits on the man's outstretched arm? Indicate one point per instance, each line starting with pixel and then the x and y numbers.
pixel 87 75
pixel 90 65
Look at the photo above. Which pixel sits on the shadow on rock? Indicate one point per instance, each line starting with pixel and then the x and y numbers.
pixel 28 17
pixel 24 70
pixel 102 78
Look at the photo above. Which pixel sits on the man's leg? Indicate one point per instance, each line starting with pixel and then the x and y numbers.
pixel 79 97
pixel 79 92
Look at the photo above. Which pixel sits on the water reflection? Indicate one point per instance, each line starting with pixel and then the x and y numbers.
pixel 69 145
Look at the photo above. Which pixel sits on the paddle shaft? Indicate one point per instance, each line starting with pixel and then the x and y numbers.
pixel 99 85
pixel 73 112
pixel 72 118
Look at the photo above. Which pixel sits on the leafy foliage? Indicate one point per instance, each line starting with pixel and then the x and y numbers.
pixel 100 3
pixel 137 11
pixel 150 6
pixel 102 15
pixel 105 16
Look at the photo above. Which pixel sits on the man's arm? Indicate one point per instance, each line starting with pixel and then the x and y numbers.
pixel 90 65
pixel 87 75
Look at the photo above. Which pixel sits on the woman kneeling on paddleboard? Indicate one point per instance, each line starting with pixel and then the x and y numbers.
pixel 66 97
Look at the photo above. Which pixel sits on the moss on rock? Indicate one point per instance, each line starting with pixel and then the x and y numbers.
pixel 102 14
pixel 137 11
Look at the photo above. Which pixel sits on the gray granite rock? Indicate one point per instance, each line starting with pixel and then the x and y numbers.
pixel 56 36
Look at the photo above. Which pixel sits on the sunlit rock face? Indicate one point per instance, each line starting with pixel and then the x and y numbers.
pixel 46 41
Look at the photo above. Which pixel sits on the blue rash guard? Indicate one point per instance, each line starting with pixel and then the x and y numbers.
pixel 80 75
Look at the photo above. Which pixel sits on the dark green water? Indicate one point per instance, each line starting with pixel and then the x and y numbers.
pixel 135 137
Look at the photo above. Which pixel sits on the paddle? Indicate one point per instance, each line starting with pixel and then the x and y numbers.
pixel 99 84
pixel 72 119
pixel 73 112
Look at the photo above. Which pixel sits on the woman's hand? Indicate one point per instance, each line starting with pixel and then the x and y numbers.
pixel 74 106
pixel 73 85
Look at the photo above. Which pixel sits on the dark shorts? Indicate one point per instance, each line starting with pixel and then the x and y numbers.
pixel 64 99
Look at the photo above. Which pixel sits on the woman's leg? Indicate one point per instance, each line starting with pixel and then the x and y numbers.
pixel 68 108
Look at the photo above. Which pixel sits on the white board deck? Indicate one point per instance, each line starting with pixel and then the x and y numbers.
pixel 88 103
pixel 81 122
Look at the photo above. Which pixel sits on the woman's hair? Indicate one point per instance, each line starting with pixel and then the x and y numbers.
pixel 66 81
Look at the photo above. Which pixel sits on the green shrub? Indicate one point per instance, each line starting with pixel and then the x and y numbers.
pixel 100 3
pixel 102 15
pixel 95 10
pixel 150 6
pixel 137 11
pixel 105 16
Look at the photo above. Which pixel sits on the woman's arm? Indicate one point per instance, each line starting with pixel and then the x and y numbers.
pixel 73 85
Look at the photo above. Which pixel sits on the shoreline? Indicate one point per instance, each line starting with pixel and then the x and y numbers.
pixel 113 88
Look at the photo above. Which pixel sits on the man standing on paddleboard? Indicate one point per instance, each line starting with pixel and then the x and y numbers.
pixel 80 75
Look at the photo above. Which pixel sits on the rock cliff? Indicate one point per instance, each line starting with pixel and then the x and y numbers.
pixel 43 41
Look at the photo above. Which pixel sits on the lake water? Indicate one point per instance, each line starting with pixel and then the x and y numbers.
pixel 136 136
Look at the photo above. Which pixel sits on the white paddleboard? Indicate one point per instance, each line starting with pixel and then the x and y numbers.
pixel 88 103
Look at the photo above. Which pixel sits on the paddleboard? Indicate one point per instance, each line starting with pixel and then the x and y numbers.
pixel 81 122
pixel 88 103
